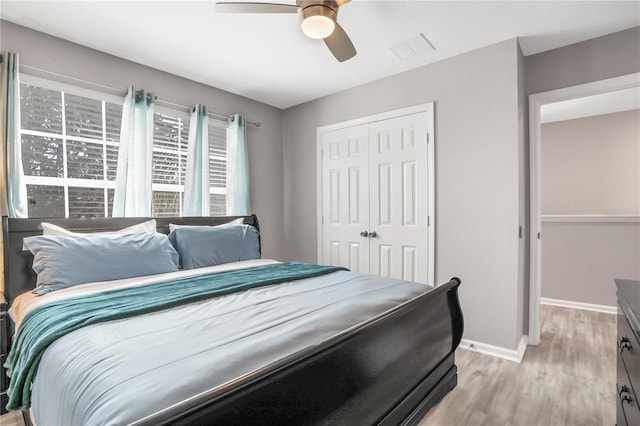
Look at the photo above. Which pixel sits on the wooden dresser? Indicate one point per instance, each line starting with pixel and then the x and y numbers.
pixel 628 379
pixel 4 351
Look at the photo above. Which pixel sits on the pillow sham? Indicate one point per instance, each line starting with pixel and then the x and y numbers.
pixel 201 246
pixel 51 229
pixel 63 262
pixel 238 221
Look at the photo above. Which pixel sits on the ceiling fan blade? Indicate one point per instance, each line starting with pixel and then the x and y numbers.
pixel 340 44
pixel 242 7
pixel 342 2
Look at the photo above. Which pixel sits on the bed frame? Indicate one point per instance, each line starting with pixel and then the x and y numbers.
pixel 390 370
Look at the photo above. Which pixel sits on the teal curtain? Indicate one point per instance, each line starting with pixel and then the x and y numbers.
pixel 133 196
pixel 14 188
pixel 196 182
pixel 238 196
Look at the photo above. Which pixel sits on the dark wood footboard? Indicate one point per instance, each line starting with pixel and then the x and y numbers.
pixel 388 371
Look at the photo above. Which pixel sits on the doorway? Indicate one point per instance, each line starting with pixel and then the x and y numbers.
pixel 536 103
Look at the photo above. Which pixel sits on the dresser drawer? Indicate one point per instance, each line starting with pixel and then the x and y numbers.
pixel 620 420
pixel 4 381
pixel 4 400
pixel 628 410
pixel 4 333
pixel 629 348
pixel 4 343
pixel 629 405
pixel 4 351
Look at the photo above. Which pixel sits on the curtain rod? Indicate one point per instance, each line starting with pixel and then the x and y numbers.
pixel 117 92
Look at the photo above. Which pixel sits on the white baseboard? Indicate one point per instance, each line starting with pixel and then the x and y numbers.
pixel 514 355
pixel 579 305
pixel 522 347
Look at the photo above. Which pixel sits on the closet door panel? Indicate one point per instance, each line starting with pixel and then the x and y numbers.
pixel 398 197
pixel 345 204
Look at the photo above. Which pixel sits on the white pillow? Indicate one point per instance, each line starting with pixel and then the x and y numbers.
pixel 238 221
pixel 57 231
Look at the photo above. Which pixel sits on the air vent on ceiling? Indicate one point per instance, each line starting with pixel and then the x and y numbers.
pixel 412 47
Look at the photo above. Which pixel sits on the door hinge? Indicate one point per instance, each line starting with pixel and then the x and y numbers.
pixel 428 220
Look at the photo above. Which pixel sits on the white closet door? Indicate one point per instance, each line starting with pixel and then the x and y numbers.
pixel 345 202
pixel 398 197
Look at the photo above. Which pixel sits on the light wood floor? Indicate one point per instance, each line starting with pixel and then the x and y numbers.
pixel 568 380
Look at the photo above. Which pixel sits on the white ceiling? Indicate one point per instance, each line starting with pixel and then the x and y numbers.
pixel 588 106
pixel 267 58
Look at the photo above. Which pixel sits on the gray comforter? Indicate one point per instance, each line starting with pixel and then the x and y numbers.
pixel 118 372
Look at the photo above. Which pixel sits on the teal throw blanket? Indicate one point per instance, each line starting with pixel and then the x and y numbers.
pixel 46 323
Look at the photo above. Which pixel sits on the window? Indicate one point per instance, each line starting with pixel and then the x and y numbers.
pixel 70 151
pixel 170 139
pixel 217 168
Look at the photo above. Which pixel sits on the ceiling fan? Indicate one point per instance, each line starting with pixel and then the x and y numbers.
pixel 318 20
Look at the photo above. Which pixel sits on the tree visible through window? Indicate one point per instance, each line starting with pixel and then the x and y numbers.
pixel 70 151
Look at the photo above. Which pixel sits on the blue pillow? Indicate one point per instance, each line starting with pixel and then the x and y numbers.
pixel 62 262
pixel 201 246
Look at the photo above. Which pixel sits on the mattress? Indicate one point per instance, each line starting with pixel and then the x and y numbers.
pixel 122 371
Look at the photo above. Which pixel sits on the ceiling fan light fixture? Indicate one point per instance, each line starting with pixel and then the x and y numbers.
pixel 318 21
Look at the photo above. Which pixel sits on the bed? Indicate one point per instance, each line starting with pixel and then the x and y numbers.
pixel 386 363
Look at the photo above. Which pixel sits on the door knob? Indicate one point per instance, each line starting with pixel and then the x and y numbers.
pixel 364 234
pixel 373 234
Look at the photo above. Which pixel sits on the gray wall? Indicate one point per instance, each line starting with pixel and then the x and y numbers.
pixel 590 166
pixel 523 200
pixel 604 57
pixel 581 260
pixel 265 143
pixel 477 177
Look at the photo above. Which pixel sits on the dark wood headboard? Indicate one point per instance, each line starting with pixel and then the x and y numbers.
pixel 19 277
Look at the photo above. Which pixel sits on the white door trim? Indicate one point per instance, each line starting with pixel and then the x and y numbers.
pixel 536 101
pixel 429 109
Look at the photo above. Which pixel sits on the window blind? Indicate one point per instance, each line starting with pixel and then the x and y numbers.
pixel 170 139
pixel 217 169
pixel 65 152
